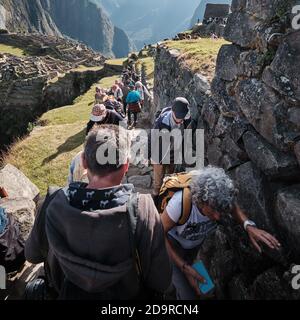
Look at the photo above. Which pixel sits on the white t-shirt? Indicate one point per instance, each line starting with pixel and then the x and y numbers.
pixel 195 230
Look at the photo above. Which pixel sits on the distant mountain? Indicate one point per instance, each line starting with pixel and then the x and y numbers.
pixel 150 21
pixel 199 12
pixel 78 19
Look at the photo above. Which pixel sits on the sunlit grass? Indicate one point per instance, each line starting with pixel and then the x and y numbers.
pixel 198 55
pixel 148 64
pixel 44 157
pixel 11 50
pixel 116 62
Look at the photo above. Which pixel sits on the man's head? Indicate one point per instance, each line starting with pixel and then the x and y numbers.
pixel 106 151
pixel 180 108
pixel 213 192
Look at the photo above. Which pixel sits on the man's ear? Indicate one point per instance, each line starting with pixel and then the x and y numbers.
pixel 126 167
pixel 84 162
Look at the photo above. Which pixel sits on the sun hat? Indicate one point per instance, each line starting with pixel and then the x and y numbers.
pixel 99 113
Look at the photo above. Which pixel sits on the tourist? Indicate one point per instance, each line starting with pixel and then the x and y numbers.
pixel 87 233
pixel 133 102
pixel 100 96
pixel 177 116
pixel 212 194
pixel 100 115
pixel 142 91
pixel 112 104
pixel 117 92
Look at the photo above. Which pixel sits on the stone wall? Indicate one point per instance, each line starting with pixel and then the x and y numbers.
pixel 250 113
pixel 63 91
pixel 216 11
pixel 26 97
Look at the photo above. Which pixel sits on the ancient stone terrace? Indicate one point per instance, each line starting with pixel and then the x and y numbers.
pixel 52 73
pixel 13 68
pixel 220 11
pixel 214 22
pixel 56 47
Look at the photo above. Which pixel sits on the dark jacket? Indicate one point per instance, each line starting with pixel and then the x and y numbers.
pixel 111 118
pixel 88 236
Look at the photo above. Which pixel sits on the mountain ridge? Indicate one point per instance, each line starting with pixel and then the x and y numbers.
pixel 81 20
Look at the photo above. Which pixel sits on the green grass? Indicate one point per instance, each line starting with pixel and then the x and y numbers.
pixel 12 50
pixel 80 109
pixel 116 62
pixel 198 55
pixel 44 157
pixel 82 68
pixel 149 65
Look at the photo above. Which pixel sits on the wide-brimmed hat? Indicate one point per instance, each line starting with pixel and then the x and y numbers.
pixel 99 113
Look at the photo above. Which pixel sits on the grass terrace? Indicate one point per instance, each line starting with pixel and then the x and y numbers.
pixel 82 68
pixel 12 50
pixel 116 62
pixel 149 65
pixel 45 155
pixel 198 55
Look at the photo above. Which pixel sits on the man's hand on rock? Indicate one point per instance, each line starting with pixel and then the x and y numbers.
pixel 260 236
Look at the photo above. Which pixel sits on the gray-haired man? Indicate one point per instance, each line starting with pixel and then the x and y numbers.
pixel 213 194
pixel 86 236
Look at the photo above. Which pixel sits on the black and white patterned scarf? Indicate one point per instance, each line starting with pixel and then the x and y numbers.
pixel 92 199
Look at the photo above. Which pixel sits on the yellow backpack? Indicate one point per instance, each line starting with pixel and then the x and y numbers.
pixel 171 185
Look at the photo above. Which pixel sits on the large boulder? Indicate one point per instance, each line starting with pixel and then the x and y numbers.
pixel 271 285
pixel 218 258
pixel 245 35
pixel 253 194
pixel 233 154
pixel 265 10
pixel 251 64
pixel 287 209
pixel 283 73
pixel 274 163
pixel 17 184
pixel 267 113
pixel 222 92
pixel 227 62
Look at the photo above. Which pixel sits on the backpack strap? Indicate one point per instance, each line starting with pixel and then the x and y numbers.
pixel 186 206
pixel 41 219
pixel 132 210
pixel 145 292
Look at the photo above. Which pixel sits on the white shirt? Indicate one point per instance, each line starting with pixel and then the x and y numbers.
pixel 195 230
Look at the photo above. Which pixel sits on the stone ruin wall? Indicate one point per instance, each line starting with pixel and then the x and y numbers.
pixel 31 85
pixel 251 116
